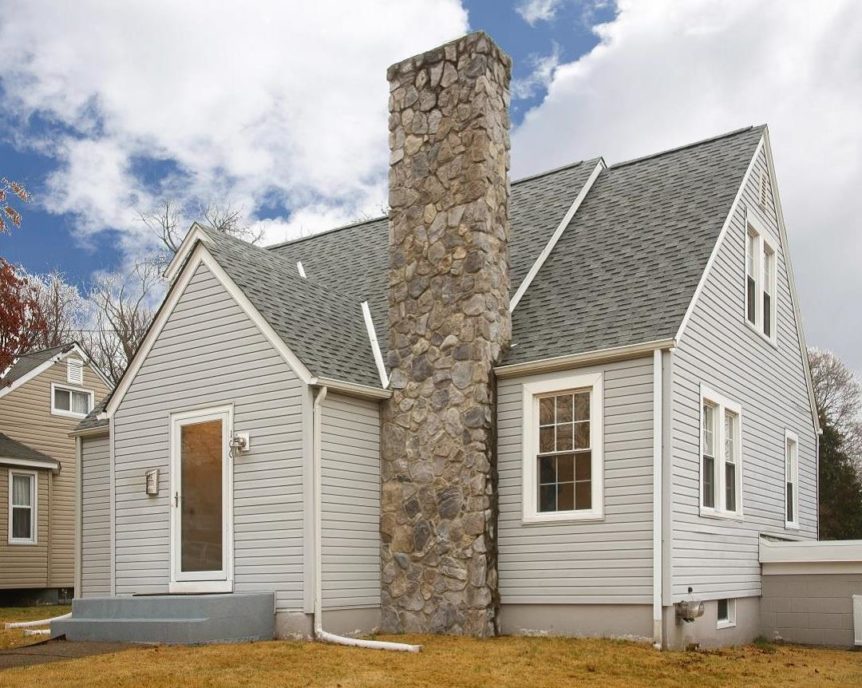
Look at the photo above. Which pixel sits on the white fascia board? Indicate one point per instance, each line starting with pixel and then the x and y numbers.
pixel 352 388
pixel 29 463
pixel 782 230
pixel 375 345
pixel 547 365
pixel 555 237
pixel 201 256
pixel 195 234
pixel 717 246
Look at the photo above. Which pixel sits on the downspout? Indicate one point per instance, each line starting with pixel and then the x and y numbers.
pixel 657 549
pixel 319 633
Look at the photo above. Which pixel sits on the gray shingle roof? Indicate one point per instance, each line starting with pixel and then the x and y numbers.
pixel 30 361
pixel 12 449
pixel 92 419
pixel 622 273
pixel 627 266
pixel 322 326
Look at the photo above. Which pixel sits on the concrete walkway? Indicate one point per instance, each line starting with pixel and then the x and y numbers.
pixel 54 651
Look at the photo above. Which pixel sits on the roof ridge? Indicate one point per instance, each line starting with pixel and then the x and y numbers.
pixel 554 170
pixel 686 146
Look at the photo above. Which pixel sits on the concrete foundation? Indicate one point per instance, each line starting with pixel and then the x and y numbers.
pixel 705 632
pixel 349 622
pixel 578 620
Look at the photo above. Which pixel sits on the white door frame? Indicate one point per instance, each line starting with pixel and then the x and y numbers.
pixel 202 581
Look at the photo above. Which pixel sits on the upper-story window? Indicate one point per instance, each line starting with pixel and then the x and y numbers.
pixel 721 456
pixel 791 480
pixel 562 469
pixel 760 280
pixel 66 401
pixel 74 371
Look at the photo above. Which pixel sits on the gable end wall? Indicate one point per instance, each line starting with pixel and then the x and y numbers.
pixel 719 557
pixel 210 354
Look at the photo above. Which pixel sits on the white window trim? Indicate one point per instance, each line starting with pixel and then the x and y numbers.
pixel 34 497
pixel 531 392
pixel 791 525
pixel 761 240
pixel 730 622
pixel 722 404
pixel 62 412
pixel 74 363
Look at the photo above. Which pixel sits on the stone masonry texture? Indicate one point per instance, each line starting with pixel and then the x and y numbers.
pixel 448 325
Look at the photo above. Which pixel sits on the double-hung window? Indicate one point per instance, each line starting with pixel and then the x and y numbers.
pixel 791 480
pixel 22 507
pixel 721 456
pixel 760 280
pixel 562 469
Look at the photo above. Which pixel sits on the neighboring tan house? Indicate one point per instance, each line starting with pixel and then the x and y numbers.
pixel 43 396
pixel 564 405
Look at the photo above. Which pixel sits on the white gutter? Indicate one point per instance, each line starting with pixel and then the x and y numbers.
pixel 657 433
pixel 319 633
pixel 40 622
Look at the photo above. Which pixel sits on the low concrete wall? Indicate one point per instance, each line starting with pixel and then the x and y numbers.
pixel 578 620
pixel 349 622
pixel 810 608
pixel 705 632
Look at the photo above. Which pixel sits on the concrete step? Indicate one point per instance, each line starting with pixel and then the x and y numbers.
pixel 171 619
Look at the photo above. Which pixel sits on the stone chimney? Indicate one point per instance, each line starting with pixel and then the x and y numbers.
pixel 448 325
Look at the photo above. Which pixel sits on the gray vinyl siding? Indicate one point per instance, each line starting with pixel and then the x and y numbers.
pixel 95 517
pixel 210 353
pixel 719 558
pixel 601 562
pixel 350 486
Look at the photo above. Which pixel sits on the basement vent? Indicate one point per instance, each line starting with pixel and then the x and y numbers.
pixel 764 189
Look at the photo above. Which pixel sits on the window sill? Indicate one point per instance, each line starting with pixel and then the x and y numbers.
pixel 562 517
pixel 725 624
pixel 18 543
pixel 791 526
pixel 721 515
pixel 67 414
pixel 772 341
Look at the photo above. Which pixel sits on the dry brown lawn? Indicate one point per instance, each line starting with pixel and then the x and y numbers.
pixel 16 637
pixel 445 661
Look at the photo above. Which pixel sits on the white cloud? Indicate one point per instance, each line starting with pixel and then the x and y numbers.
pixel 534 11
pixel 668 73
pixel 540 77
pixel 263 103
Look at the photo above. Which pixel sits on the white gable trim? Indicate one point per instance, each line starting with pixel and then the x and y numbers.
pixel 201 256
pixel 794 298
pixel 555 237
pixel 717 247
pixel 375 345
pixel 38 370
pixel 195 234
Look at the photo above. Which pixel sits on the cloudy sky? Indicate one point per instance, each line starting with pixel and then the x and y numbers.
pixel 279 108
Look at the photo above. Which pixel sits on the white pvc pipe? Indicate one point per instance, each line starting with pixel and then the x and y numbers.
pixel 40 622
pixel 37 631
pixel 319 633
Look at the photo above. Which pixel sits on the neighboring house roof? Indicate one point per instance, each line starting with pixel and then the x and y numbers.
pixel 18 454
pixel 30 361
pixel 92 421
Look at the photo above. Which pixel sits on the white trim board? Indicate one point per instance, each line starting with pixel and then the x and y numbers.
pixel 201 256
pixel 555 237
pixel 196 233
pixel 375 345
pixel 30 463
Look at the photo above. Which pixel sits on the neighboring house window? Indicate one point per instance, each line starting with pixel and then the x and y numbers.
pixel 22 507
pixel 791 480
pixel 74 371
pixel 721 456
pixel 726 613
pixel 65 401
pixel 563 449
pixel 760 280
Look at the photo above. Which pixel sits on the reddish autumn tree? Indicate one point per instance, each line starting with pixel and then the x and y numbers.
pixel 22 323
